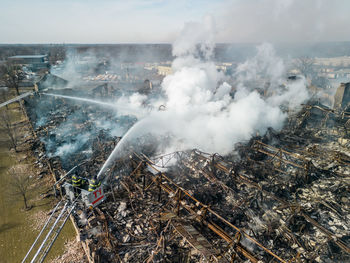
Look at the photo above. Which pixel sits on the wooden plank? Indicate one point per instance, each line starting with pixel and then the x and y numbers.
pixel 197 241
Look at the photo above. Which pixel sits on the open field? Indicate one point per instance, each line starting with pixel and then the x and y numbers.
pixel 19 228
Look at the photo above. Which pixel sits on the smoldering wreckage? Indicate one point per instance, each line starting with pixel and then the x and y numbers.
pixel 281 196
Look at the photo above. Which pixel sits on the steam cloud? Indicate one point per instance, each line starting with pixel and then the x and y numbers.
pixel 201 113
pixel 202 110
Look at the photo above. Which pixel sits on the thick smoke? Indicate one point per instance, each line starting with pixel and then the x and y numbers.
pixel 79 129
pixel 197 107
pixel 200 111
pixel 76 144
pixel 265 65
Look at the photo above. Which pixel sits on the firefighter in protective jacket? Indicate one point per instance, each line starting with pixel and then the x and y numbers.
pixel 78 184
pixel 93 184
pixel 76 181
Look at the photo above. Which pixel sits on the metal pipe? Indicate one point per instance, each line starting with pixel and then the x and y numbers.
pixel 48 234
pixel 42 230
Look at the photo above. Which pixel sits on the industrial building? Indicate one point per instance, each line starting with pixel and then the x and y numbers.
pixel 32 62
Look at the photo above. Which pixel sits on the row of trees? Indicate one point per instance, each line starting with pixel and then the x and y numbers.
pixel 19 175
pixel 10 76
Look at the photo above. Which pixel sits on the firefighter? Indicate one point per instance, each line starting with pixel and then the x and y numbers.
pixel 77 183
pixel 93 184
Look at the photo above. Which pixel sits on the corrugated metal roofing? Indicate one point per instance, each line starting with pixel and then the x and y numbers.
pixel 29 56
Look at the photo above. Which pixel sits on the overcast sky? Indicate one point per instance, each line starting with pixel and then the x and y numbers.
pixel 160 21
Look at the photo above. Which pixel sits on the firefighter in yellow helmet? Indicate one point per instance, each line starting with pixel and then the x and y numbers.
pixel 94 183
pixel 77 183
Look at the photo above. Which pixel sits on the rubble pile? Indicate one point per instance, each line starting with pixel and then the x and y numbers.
pixel 75 133
pixel 281 197
pixel 289 201
pixel 131 228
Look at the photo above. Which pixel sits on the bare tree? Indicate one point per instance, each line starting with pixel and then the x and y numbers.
pixel 9 128
pixel 20 182
pixel 305 65
pixel 11 75
pixel 4 95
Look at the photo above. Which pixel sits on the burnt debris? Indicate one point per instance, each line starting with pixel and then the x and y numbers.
pixel 281 197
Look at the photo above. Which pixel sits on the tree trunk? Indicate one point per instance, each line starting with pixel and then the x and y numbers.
pixel 13 140
pixel 15 148
pixel 17 90
pixel 25 201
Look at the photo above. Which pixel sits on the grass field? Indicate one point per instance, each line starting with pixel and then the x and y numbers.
pixel 16 225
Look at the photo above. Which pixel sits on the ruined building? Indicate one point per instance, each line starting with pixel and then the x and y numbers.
pixel 342 96
pixel 279 197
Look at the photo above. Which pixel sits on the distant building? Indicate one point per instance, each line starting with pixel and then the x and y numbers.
pixel 51 81
pixel 343 73
pixel 32 62
pixel 334 74
pixel 164 70
pixel 335 61
pixel 342 96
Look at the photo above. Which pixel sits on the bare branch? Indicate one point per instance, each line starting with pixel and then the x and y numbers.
pixel 21 180
pixel 11 75
pixel 305 66
pixel 9 128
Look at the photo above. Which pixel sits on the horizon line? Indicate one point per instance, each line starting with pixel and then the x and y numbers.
pixel 169 43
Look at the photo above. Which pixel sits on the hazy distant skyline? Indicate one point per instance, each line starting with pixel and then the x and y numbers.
pixel 160 21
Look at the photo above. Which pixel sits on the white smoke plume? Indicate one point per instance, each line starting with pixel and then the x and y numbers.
pixel 196 35
pixel 202 110
pixel 69 148
pixel 268 66
pixel 200 113
pixel 265 63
